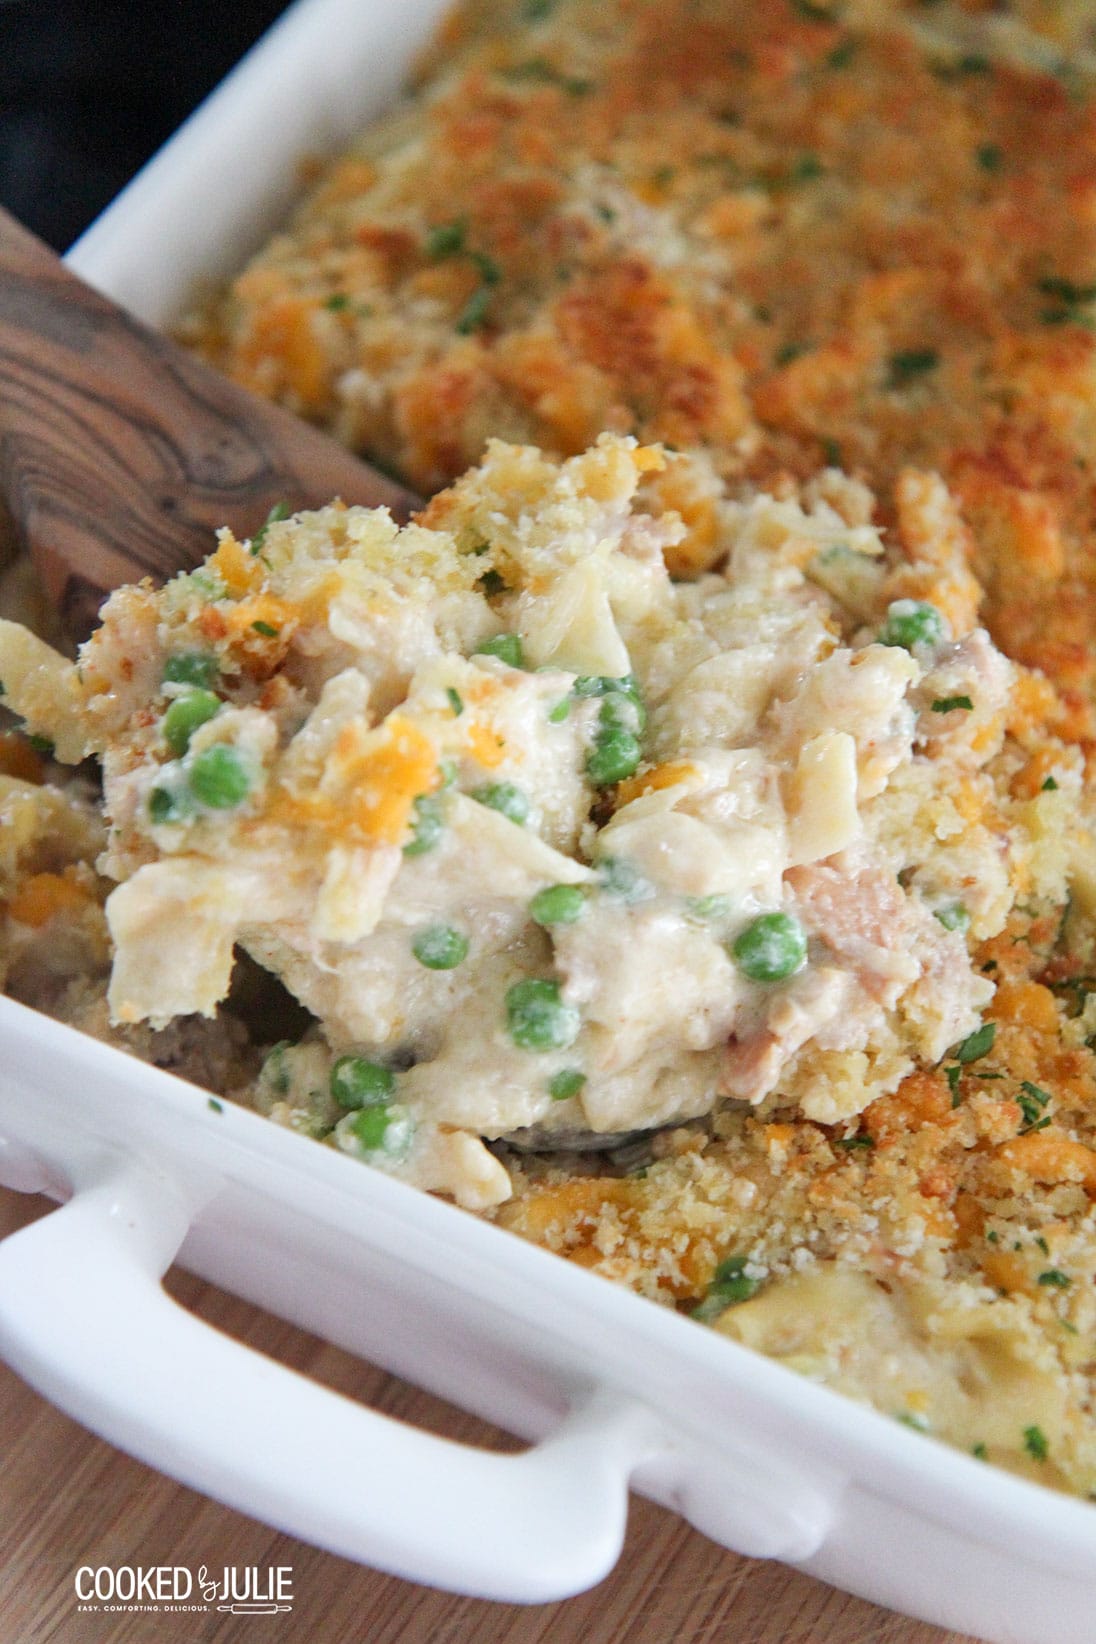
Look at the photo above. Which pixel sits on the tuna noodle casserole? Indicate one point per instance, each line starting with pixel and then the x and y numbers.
pixel 669 845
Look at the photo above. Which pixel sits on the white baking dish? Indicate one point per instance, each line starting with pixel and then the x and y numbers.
pixel 615 1390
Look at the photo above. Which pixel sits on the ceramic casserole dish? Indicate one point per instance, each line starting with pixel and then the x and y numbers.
pixel 613 1391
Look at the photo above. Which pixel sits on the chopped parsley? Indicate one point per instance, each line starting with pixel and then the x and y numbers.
pixel 849 1142
pixel 566 1083
pixel 909 1419
pixel 811 12
pixel 990 157
pixel 832 453
pixel 953 1075
pixel 474 313
pixel 1049 786
pixel 730 1285
pixel 446 239
pixel 454 701
pixel 539 71
pixel 979 1450
pixel 1055 1279
pixel 215 1105
pixel 337 301
pixel 489 271
pixel 791 351
pixel 977 1044
pixel 1036 1443
pixel 1052 285
pixel 1032 1101
pixel 280 511
pixel 266 629
pixel 948 704
pixel 841 56
pixel 906 366
pixel 806 168
pixel 1072 300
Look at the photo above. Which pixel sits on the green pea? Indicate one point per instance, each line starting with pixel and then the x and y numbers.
pixel 169 802
pixel 623 712
pixel 505 798
pixel 218 778
pixel 428 826
pixel 716 906
pixel 954 917
pixel 603 684
pixel 385 1128
pixel 358 1083
pixel 621 721
pixel 191 668
pixel 275 1072
pixel 184 716
pixel 910 623
pixel 537 1017
pixel 622 704
pixel 558 905
pixel 771 948
pixel 566 1083
pixel 439 947
pixel 623 881
pixel 615 755
pixel 507 647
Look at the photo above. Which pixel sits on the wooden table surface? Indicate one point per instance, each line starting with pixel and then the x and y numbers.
pixel 67 1499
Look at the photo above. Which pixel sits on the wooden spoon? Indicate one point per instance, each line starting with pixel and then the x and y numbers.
pixel 120 453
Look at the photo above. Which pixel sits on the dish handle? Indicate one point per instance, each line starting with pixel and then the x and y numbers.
pixel 85 1320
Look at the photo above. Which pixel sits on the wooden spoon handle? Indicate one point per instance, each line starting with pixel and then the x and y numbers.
pixel 120 453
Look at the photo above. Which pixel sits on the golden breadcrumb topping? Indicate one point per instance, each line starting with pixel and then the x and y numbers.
pixel 778 234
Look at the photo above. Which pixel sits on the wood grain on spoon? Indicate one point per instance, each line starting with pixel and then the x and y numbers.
pixel 120 453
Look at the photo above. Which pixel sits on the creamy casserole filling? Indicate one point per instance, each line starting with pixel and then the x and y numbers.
pixel 545 841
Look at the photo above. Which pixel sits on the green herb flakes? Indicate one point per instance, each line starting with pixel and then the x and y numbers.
pixel 977 1044
pixel 1032 1101
pixel 280 511
pixel 910 365
pixel 730 1285
pixel 566 1083
pixel 1036 1443
pixel 474 313
pixel 446 239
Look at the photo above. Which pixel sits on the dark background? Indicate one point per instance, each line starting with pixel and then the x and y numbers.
pixel 89 89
